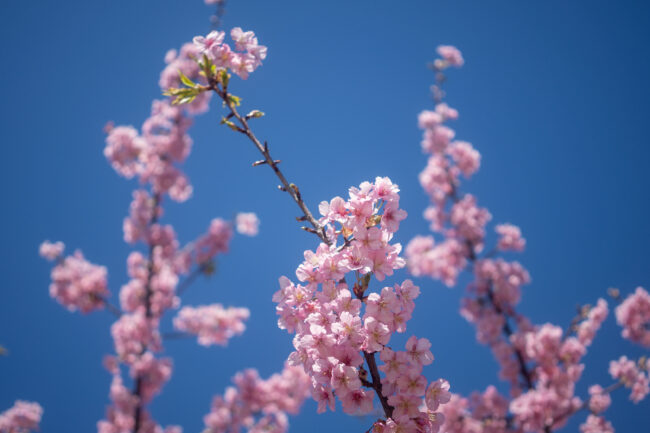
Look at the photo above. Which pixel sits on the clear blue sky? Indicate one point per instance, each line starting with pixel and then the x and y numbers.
pixel 554 94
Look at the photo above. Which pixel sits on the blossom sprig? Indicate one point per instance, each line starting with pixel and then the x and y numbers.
pixel 341 324
pixel 153 154
pixel 215 59
pixel 542 363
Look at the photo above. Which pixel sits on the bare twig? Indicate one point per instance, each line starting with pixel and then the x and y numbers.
pixel 287 186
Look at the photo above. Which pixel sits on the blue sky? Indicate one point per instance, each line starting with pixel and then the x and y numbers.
pixel 554 94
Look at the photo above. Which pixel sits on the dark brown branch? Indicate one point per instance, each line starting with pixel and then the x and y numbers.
pixel 376 383
pixel 147 300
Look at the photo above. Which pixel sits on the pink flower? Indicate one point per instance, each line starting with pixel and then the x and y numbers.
pixel 466 157
pixel 418 351
pixel 22 417
pixel 205 44
pixel 345 379
pixel 247 223
pixel 596 424
pixel 51 251
pixel 437 393
pixel 377 335
pixel 215 241
pixel 411 383
pixel 78 284
pixel 634 316
pixel 510 238
pixel 357 402
pixel 259 405
pixel 451 55
pixel 405 405
pixel 599 401
pixel 153 374
pixel 123 149
pixel 213 324
pixel 395 363
pixel 631 376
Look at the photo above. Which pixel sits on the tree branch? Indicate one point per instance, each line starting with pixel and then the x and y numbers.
pixel 287 186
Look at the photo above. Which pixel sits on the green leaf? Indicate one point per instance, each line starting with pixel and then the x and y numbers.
pixel 184 95
pixel 185 80
pixel 225 77
pixel 235 100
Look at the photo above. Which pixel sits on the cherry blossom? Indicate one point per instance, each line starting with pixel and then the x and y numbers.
pixel 247 223
pixel 22 417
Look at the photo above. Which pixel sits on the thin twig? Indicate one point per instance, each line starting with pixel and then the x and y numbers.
pixel 287 186
pixel 187 282
pixel 113 309
pixel 175 335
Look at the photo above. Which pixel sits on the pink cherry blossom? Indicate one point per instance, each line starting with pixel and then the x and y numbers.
pixel 51 251
pixel 437 393
pixel 258 405
pixel 22 417
pixel 78 284
pixel 451 55
pixel 510 238
pixel 247 223
pixel 418 351
pixel 599 400
pixel 596 424
pixel 212 323
pixel 634 316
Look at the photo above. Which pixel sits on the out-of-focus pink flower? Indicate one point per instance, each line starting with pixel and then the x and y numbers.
pixel 51 251
pixel 213 324
pixel 22 417
pixel 76 283
pixel 451 55
pixel 247 223
pixel 510 237
pixel 634 316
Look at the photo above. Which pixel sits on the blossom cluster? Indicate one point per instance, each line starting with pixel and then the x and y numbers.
pixel 633 376
pixel 340 323
pixel 448 159
pixel 481 412
pixel 22 417
pixel 634 316
pixel 243 60
pixel 213 324
pixel 76 284
pixel 258 405
pixel 152 154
